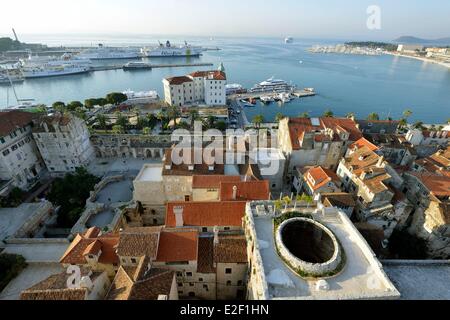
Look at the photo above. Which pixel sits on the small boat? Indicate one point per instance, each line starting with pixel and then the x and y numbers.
pixel 289 40
pixel 309 89
pixel 285 97
pixel 247 104
pixel 252 101
pixel 136 66
pixel 267 99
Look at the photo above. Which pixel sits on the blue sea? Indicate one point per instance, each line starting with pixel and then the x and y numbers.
pixel 345 83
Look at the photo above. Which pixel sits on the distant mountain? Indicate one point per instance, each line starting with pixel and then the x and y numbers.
pixel 415 40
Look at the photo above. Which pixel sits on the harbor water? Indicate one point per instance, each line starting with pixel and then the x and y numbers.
pixel 361 84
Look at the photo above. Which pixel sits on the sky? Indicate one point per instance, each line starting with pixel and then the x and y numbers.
pixel 328 19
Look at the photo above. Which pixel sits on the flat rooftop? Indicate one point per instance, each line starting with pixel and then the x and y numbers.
pixel 11 219
pixel 420 280
pixel 150 173
pixel 361 278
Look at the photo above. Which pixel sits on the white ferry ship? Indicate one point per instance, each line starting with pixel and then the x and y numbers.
pixel 168 50
pixel 39 67
pixel 142 97
pixel 109 53
pixel 273 85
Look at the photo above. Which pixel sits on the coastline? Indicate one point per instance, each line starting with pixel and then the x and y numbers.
pixel 447 65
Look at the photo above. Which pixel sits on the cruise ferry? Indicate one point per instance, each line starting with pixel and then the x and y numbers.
pixel 39 67
pixel 109 53
pixel 273 85
pixel 142 97
pixel 168 50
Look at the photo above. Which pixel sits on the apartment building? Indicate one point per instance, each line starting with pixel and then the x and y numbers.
pixel 20 162
pixel 200 88
pixel 63 141
pixel 316 180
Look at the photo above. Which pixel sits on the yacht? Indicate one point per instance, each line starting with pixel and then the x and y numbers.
pixel 289 40
pixel 137 65
pixel 267 99
pixel 284 97
pixel 272 85
pixel 109 53
pixel 168 50
pixel 143 97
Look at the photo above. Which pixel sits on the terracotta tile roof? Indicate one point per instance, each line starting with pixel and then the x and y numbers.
pixel 363 142
pixel 205 261
pixel 338 200
pixel 80 246
pixel 177 245
pixel 139 242
pixel 442 158
pixel 361 159
pixel 92 232
pixel 51 121
pixel 13 120
pixel 214 75
pixel 178 80
pixel 246 190
pixel 317 177
pixel 438 185
pixel 298 127
pixel 183 169
pixel 231 249
pixel 55 288
pixel 149 286
pixel 213 181
pixel 207 214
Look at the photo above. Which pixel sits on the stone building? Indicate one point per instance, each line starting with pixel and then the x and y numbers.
pixel 63 141
pixel 91 286
pixel 438 163
pixel 430 193
pixel 94 250
pixel 378 126
pixel 200 88
pixel 316 141
pixel 426 137
pixel 130 146
pixel 316 180
pixel 394 148
pixel 20 162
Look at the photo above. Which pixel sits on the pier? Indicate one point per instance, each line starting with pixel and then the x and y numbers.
pixel 257 95
pixel 150 66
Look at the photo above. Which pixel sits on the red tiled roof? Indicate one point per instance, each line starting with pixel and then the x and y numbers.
pixel 177 245
pixel 178 80
pixel 321 177
pixel 215 75
pixel 214 181
pixel 363 142
pixel 231 249
pixel 13 120
pixel 139 242
pixel 207 214
pixel 183 169
pixel 437 184
pixel 246 190
pixel 81 245
pixel 205 260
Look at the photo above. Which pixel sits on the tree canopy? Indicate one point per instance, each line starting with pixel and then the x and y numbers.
pixel 116 98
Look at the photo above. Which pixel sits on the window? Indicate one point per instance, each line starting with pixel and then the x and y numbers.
pixel 6 152
pixel 133 260
pixel 200 279
pixel 191 284
pixel 13 135
pixel 204 229
pixel 188 274
pixel 240 283
pixel 2 140
pixel 179 274
pixel 192 294
pixel 14 147
pixel 228 283
pixel 180 293
pixel 228 270
pixel 226 228
pixel 205 286
pixel 180 284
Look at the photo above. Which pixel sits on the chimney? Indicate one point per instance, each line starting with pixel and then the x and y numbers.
pixel 178 212
pixel 216 235
pixel 235 189
pixel 380 162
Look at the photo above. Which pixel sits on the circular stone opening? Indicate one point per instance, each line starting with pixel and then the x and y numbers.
pixel 308 242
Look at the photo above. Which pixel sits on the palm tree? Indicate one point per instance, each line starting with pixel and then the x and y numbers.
pixel 122 121
pixel 210 121
pixel 328 114
pixel 350 115
pixel 407 113
pixel 418 125
pixel 194 116
pixel 373 117
pixel 173 113
pixel 101 119
pixel 258 119
pixel 304 115
pixel 279 117
pixel 141 122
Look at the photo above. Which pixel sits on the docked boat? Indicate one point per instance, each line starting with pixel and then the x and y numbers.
pixel 247 104
pixel 234 88
pixel 284 97
pixel 168 50
pixel 267 99
pixel 109 53
pixel 136 65
pixel 273 85
pixel 8 76
pixel 39 67
pixel 142 97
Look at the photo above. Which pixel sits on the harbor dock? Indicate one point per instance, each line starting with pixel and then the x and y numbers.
pixel 150 66
pixel 257 95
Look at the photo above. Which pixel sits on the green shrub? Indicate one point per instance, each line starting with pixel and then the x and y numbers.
pixel 11 266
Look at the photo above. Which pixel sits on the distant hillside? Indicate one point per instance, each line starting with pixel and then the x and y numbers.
pixel 8 44
pixel 415 40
